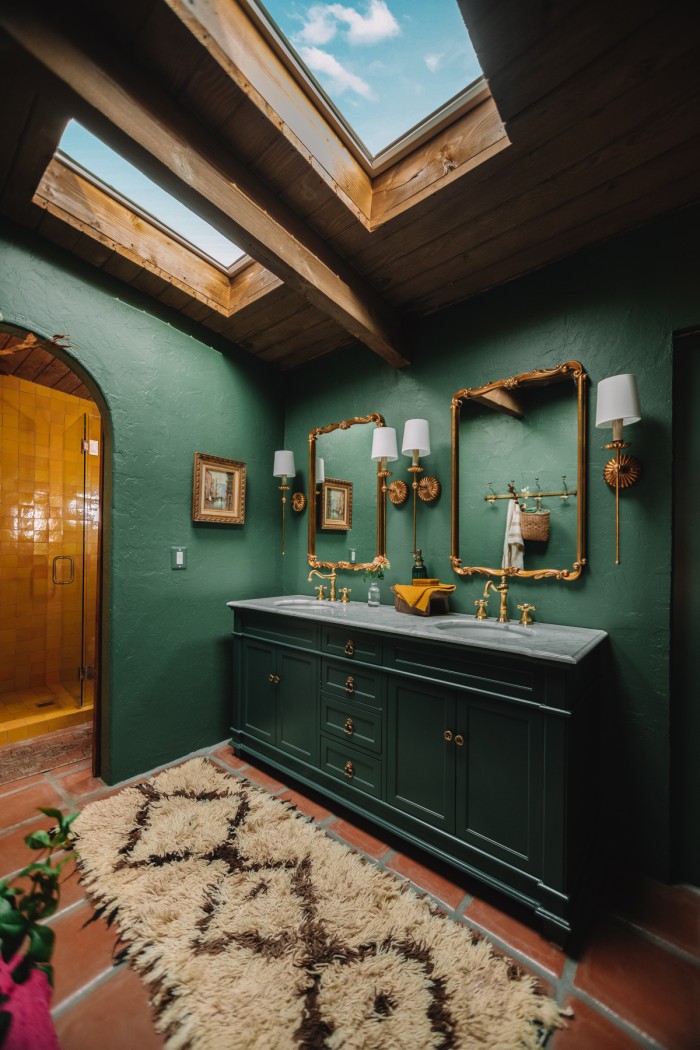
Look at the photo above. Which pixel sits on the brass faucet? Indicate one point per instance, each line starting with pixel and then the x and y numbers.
pixel 502 589
pixel 332 576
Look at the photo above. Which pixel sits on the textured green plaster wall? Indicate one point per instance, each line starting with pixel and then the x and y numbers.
pixel 615 309
pixel 170 391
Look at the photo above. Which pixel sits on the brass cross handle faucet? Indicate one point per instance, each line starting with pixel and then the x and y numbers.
pixel 526 609
pixel 344 592
pixel 502 589
pixel 332 576
pixel 482 604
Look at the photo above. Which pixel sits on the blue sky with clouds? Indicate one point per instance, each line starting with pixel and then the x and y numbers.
pixel 386 64
pixel 93 155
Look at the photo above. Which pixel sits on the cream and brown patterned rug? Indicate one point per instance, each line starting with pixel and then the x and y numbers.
pixel 255 930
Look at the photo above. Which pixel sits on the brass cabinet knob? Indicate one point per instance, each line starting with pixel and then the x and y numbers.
pixel 274 678
pixel 459 740
pixel 349 647
pixel 447 735
pixel 349 684
pixel 348 770
pixel 349 726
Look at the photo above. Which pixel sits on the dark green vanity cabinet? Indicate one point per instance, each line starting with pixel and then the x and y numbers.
pixel 483 757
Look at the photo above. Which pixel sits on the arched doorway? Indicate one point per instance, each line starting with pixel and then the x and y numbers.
pixel 50 556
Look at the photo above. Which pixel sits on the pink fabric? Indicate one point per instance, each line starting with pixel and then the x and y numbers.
pixel 30 1005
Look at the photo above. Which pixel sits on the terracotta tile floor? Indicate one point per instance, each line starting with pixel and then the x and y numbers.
pixel 634 983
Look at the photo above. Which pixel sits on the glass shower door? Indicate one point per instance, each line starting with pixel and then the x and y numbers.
pixel 68 566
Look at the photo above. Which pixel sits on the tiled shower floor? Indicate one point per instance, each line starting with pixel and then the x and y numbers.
pixel 635 982
pixel 27 713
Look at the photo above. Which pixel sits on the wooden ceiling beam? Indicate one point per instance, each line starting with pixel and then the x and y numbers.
pixel 227 194
pixel 227 32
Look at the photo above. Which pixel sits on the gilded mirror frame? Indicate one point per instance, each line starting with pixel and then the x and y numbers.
pixel 373 417
pixel 497 396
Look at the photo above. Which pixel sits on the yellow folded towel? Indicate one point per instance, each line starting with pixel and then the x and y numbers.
pixel 425 582
pixel 418 596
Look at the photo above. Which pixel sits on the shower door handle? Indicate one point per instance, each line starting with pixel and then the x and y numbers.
pixel 63 557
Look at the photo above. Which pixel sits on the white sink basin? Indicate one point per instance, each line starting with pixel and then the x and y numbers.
pixel 325 606
pixel 508 633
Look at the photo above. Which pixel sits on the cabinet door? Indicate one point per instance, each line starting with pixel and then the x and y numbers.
pixel 420 762
pixel 259 692
pixel 297 705
pixel 499 780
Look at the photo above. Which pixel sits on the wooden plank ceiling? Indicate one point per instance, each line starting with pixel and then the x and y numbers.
pixel 25 356
pixel 590 128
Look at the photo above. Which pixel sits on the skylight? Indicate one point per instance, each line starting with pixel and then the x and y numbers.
pixel 386 65
pixel 97 159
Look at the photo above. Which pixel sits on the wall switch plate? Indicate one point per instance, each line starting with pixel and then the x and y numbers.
pixel 178 557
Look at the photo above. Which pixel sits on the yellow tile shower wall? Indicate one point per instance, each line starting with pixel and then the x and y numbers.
pixel 36 516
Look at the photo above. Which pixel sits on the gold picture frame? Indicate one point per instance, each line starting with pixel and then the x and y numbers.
pixel 336 505
pixel 218 492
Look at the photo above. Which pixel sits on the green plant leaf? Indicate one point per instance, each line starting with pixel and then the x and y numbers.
pixel 41 942
pixel 38 840
pixel 55 813
pixel 22 970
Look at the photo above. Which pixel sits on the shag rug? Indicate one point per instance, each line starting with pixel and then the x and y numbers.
pixel 255 930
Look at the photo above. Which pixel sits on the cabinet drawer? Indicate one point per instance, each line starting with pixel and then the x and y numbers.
pixel 343 679
pixel 352 767
pixel 355 645
pixel 496 673
pixel 284 629
pixel 351 723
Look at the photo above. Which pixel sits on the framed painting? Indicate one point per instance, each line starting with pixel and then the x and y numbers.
pixel 336 504
pixel 218 494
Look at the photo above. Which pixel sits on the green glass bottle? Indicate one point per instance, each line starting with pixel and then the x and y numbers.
pixel 419 570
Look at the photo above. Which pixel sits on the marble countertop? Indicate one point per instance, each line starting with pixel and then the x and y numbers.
pixel 540 641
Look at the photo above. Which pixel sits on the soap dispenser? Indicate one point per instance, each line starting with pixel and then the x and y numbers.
pixel 419 570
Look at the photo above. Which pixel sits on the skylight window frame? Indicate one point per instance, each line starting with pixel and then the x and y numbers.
pixel 143 213
pixel 372 163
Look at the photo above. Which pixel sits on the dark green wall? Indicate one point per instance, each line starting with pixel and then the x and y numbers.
pixel 169 392
pixel 615 309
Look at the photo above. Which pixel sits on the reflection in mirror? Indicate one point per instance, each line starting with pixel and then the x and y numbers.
pixel 518 475
pixel 346 514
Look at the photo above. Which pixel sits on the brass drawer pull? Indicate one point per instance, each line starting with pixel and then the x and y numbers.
pixel 349 727
pixel 274 678
pixel 349 684
pixel 348 770
pixel 349 647
pixel 447 735
pixel 459 740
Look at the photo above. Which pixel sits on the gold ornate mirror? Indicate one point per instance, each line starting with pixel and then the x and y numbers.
pixel 520 439
pixel 347 509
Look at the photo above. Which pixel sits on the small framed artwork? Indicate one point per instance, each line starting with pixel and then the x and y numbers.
pixel 336 504
pixel 218 494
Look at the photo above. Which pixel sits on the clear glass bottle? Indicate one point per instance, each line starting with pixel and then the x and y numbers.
pixel 374 594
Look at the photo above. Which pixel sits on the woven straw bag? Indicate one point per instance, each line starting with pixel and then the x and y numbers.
pixel 534 524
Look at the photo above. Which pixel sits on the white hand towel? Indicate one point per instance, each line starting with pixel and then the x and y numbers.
pixel 513 545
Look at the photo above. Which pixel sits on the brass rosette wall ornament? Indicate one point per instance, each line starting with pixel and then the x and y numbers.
pixel 626 473
pixel 429 488
pixel 398 493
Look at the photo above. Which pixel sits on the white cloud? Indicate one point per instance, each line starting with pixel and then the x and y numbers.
pixel 372 26
pixel 320 26
pixel 342 79
pixel 433 62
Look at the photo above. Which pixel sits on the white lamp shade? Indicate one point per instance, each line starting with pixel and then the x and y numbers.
pixel 320 470
pixel 416 435
pixel 384 444
pixel 617 399
pixel 284 464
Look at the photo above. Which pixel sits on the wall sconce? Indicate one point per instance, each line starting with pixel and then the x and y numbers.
pixel 299 500
pixel 384 451
pixel 416 443
pixel 284 468
pixel 617 405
